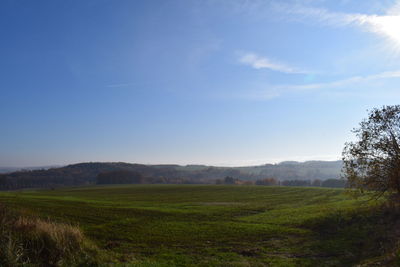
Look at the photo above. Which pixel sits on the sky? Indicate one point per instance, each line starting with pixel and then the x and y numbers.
pixel 215 82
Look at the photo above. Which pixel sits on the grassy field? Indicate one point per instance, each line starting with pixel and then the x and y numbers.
pixel 211 225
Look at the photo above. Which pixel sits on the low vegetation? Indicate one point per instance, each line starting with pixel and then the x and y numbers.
pixel 332 183
pixel 30 241
pixel 221 225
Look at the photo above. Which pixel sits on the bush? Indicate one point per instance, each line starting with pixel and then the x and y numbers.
pixel 338 183
pixel 267 181
pixel 31 241
pixel 229 180
pixel 296 183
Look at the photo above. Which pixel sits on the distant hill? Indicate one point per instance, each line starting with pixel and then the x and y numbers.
pixel 8 169
pixel 86 173
pixel 15 169
pixel 289 170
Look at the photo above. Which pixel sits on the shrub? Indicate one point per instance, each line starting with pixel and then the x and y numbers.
pixel 296 183
pixel 267 181
pixel 338 183
pixel 229 180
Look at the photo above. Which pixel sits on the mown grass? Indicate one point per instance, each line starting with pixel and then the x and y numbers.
pixel 210 225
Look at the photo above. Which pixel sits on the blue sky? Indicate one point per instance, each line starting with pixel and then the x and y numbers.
pixel 207 82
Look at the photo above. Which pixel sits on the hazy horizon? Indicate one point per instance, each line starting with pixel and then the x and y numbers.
pixel 223 83
pixel 169 163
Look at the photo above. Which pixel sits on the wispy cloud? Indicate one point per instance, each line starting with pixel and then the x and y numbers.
pixel 324 16
pixel 276 91
pixel 259 62
pixel 348 81
pixel 386 25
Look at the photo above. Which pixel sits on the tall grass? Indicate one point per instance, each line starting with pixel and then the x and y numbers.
pixel 27 240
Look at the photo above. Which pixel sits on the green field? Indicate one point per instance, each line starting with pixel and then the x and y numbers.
pixel 211 225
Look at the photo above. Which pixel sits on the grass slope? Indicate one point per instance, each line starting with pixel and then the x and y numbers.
pixel 210 225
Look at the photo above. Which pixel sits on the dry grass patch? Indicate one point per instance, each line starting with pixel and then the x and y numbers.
pixel 32 241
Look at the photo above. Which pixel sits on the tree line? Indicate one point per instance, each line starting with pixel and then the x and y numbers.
pixel 335 183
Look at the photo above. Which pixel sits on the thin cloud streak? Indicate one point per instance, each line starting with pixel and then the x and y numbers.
pixel 276 91
pixel 383 25
pixel 348 81
pixel 259 62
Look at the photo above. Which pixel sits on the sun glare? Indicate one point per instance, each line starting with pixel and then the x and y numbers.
pixel 388 26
